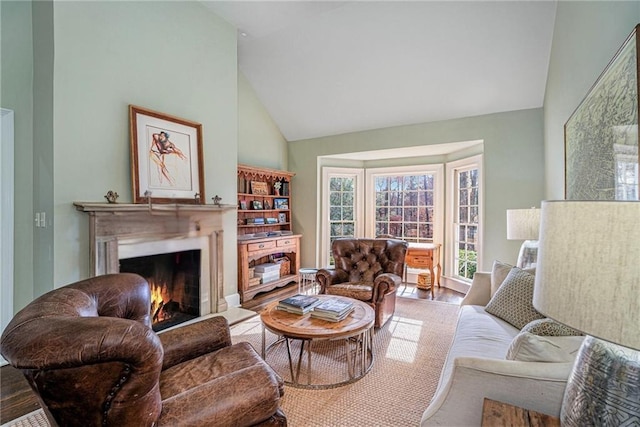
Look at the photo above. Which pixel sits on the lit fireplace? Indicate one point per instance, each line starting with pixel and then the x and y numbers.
pixel 174 281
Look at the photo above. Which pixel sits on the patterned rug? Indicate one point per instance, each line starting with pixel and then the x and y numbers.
pixel 409 352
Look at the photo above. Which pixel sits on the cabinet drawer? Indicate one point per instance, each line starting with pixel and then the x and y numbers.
pixel 286 242
pixel 260 246
pixel 415 261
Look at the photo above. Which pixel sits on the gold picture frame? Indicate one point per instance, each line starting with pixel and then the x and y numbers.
pixel 166 158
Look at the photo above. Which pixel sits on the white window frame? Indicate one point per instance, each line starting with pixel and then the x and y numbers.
pixel 331 172
pixel 474 162
pixel 436 169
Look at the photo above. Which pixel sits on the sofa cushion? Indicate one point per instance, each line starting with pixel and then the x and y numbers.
pixel 478 335
pixel 513 301
pixel 500 271
pixel 527 347
pixel 549 327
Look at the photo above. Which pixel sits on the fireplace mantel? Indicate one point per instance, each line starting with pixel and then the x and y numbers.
pixel 115 224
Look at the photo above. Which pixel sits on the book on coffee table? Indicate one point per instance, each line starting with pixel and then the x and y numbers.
pixel 333 309
pixel 331 317
pixel 298 304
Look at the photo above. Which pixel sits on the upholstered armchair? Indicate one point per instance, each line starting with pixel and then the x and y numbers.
pixel 90 354
pixel 369 270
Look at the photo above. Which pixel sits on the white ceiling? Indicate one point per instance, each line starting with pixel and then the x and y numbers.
pixel 325 68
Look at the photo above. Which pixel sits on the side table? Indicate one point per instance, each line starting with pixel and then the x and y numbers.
pixel 500 414
pixel 307 281
pixel 425 256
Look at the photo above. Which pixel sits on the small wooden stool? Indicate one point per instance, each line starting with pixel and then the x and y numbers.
pixel 424 282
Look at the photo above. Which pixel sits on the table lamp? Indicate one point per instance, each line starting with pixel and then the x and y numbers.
pixel 588 277
pixel 524 224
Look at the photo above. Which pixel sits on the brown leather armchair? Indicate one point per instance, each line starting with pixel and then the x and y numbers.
pixel 369 270
pixel 89 353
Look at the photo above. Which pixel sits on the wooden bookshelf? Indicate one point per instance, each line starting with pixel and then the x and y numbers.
pixel 264 227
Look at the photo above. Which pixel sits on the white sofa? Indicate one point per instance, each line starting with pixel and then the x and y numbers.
pixel 476 368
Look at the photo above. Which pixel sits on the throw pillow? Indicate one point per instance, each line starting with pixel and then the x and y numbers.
pixel 527 347
pixel 499 272
pixel 513 301
pixel 549 327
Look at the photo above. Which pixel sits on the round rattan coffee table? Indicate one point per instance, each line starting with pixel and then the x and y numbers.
pixel 356 332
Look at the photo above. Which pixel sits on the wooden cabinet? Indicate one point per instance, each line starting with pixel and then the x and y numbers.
pixel 254 250
pixel 264 200
pixel 264 227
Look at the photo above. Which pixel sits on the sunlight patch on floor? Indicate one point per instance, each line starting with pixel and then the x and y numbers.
pixel 405 334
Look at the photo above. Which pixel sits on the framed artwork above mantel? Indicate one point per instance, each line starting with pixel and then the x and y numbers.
pixel 601 136
pixel 166 158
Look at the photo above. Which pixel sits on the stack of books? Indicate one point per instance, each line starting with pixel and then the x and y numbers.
pixel 298 304
pixel 333 310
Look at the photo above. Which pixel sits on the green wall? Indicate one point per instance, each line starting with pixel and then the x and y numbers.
pixel 70 87
pixel 513 169
pixel 173 57
pixel 16 93
pixel 586 37
pixel 260 142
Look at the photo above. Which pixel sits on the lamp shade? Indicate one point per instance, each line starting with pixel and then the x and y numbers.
pixel 523 224
pixel 588 272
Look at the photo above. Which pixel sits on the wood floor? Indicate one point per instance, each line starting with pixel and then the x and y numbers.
pixel 17 399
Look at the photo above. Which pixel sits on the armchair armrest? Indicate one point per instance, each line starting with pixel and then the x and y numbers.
pixel 480 291
pixel 384 284
pixel 329 277
pixel 79 341
pixel 534 385
pixel 196 339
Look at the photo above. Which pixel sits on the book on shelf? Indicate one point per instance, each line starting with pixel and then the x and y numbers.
pixel 298 304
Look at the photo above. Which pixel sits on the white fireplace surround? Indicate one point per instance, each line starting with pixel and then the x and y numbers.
pixel 158 247
pixel 118 231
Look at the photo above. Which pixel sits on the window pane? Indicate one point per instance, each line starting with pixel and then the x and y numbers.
pixel 347 199
pixel 382 214
pixel 463 217
pixel 348 185
pixel 411 214
pixel 474 196
pixel 474 177
pixel 464 181
pixel 335 213
pixel 335 198
pixel 408 206
pixel 349 229
pixel 347 213
pixel 335 184
pixel 467 222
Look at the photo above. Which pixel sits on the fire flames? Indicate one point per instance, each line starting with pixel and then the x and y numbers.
pixel 160 296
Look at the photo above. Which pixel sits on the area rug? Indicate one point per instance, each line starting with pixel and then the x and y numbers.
pixel 409 353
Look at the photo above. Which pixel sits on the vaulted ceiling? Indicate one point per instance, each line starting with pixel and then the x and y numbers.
pixel 323 68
